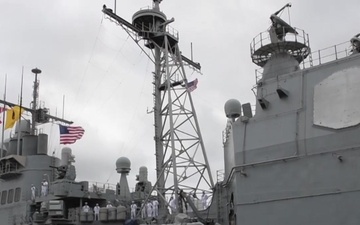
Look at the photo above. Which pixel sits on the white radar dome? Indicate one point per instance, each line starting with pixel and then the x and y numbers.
pixel 232 108
pixel 123 164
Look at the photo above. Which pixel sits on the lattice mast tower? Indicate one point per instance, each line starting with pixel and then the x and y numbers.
pixel 181 160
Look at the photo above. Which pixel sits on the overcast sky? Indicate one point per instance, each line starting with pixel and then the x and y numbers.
pixel 106 79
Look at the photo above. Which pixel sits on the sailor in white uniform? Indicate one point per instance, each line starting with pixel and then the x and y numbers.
pixel 133 208
pixel 143 210
pixel 86 208
pixel 204 199
pixel 149 209
pixel 109 205
pixel 33 191
pixel 96 212
pixel 172 205
pixel 155 204
pixel 44 187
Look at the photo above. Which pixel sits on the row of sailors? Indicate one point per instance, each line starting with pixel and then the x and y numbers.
pixel 44 189
pixel 148 210
pixel 204 200
pixel 86 208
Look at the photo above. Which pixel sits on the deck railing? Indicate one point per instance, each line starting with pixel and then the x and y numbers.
pixel 319 57
pixel 101 187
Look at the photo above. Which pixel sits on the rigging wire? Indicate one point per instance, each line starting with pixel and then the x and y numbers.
pixel 91 55
pixel 132 119
pixel 106 72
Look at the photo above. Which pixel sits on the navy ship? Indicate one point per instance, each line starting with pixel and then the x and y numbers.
pixel 292 160
pixel 296 159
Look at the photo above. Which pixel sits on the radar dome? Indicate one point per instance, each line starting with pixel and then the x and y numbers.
pixel 232 108
pixel 123 165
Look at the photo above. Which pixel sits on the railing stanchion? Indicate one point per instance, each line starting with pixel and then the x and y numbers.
pixel 336 56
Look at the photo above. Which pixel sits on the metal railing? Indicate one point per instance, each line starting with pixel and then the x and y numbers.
pixel 263 39
pixel 150 28
pixel 100 187
pixel 318 57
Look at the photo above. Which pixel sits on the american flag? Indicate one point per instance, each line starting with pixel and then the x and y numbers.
pixel 192 85
pixel 69 135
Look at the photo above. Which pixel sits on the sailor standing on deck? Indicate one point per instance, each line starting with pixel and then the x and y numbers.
pixel 204 198
pixel 33 190
pixel 44 187
pixel 86 208
pixel 149 209
pixel 109 205
pixel 172 205
pixel 133 210
pixel 143 210
pixel 155 204
pixel 96 211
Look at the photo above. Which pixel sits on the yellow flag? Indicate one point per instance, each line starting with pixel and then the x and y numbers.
pixel 12 115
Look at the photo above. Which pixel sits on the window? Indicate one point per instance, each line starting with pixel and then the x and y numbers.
pixel 3 197
pixel 17 194
pixel 10 196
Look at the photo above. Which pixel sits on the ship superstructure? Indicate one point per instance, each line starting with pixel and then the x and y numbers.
pixel 296 160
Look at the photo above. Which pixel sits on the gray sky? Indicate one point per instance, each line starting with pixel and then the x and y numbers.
pixel 106 79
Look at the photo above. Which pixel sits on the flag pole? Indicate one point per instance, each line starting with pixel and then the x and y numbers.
pixel 36 71
pixel 3 119
pixel 63 109
pixel 19 130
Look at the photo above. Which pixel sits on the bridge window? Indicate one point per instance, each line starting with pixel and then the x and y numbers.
pixel 10 196
pixel 17 194
pixel 3 197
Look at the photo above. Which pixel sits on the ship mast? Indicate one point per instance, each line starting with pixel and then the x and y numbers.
pixel 181 160
pixel 38 115
pixel 36 71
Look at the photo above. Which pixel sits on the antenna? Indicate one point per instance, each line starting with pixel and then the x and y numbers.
pixel 20 110
pixel 3 119
pixel 115 6
pixel 36 71
pixel 279 27
pixel 63 109
pixel 280 10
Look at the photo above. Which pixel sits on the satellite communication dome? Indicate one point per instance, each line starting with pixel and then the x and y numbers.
pixel 123 165
pixel 232 108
